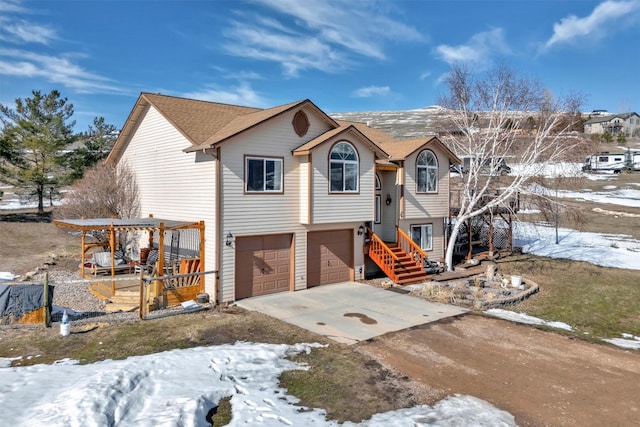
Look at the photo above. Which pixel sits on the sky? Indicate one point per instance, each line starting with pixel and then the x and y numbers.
pixel 344 55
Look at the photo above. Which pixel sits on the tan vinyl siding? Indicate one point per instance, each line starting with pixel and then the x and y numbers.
pixel 438 235
pixel 253 214
pixel 345 207
pixel 426 205
pixel 174 185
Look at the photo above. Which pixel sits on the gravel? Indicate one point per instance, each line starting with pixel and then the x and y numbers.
pixel 71 293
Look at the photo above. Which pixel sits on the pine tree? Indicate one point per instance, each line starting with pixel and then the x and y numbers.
pixel 96 144
pixel 33 141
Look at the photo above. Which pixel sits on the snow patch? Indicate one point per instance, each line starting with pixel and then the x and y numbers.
pixel 525 318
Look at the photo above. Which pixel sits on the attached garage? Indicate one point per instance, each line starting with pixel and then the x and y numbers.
pixel 329 257
pixel 263 265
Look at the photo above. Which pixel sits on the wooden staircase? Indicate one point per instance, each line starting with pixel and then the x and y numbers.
pixel 406 269
pixel 402 262
pixel 122 300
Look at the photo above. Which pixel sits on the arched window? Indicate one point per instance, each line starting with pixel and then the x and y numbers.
pixel 427 172
pixel 343 168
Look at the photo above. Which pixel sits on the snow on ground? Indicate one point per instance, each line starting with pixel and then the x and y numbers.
pixel 179 387
pixel 607 250
pixel 524 318
pixel 11 204
pixel 553 170
pixel 7 276
pixel 622 197
pixel 627 341
pixel 548 170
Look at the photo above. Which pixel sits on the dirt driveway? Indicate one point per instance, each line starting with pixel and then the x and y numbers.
pixel 542 378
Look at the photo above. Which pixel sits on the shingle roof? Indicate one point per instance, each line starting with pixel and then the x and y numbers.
pixel 601 119
pixel 243 122
pixel 202 123
pixel 343 128
pixel 197 120
pixel 399 149
pixel 205 124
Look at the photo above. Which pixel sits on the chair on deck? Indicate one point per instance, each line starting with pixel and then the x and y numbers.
pixel 100 263
pixel 150 263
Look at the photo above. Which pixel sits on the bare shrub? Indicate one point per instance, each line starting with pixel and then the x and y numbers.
pixel 104 192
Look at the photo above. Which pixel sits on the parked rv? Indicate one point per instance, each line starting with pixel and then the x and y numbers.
pixel 612 162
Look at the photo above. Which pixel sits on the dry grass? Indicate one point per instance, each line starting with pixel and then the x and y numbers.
pixel 596 301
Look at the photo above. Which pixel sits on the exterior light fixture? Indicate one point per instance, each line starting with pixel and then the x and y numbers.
pixel 361 230
pixel 388 201
pixel 229 239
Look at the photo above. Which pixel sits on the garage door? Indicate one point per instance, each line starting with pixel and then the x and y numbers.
pixel 263 265
pixel 329 257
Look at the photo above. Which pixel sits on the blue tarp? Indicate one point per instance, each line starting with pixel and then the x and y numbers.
pixel 18 300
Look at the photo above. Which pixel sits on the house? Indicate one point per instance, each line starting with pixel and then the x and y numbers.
pixel 627 124
pixel 288 194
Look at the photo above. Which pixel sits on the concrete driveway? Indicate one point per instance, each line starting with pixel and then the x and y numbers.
pixel 349 312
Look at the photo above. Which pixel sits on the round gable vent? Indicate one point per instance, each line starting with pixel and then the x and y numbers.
pixel 300 123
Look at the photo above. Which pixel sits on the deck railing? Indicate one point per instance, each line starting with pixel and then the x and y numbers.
pixel 410 247
pixel 382 255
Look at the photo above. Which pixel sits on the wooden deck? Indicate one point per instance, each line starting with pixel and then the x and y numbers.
pixel 126 296
pixel 123 293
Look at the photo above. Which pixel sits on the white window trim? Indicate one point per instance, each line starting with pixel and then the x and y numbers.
pixel 264 181
pixel 378 210
pixel 427 168
pixel 345 162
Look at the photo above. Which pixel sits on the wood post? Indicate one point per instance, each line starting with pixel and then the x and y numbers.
pixel 201 269
pixel 158 283
pixel 82 252
pixel 143 304
pixel 112 242
pixel 47 311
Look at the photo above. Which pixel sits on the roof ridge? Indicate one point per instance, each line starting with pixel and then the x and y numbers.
pixel 184 98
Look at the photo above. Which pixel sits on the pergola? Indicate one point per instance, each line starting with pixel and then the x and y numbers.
pixel 112 226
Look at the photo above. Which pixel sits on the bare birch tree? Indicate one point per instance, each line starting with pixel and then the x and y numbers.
pixel 498 115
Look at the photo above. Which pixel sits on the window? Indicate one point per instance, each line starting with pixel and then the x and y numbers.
pixel 378 183
pixel 427 172
pixel 422 235
pixel 263 175
pixel 343 168
pixel 377 209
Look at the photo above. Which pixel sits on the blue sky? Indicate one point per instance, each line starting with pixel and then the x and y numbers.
pixel 344 55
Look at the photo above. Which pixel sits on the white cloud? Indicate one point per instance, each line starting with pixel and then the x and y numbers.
pixel 321 35
pixel 12 6
pixel 425 75
pixel 243 94
pixel 293 51
pixel 21 31
pixel 369 91
pixel 595 25
pixel 22 63
pixel 478 50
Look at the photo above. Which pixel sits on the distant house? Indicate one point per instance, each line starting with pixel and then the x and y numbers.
pixel 627 124
pixel 287 194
